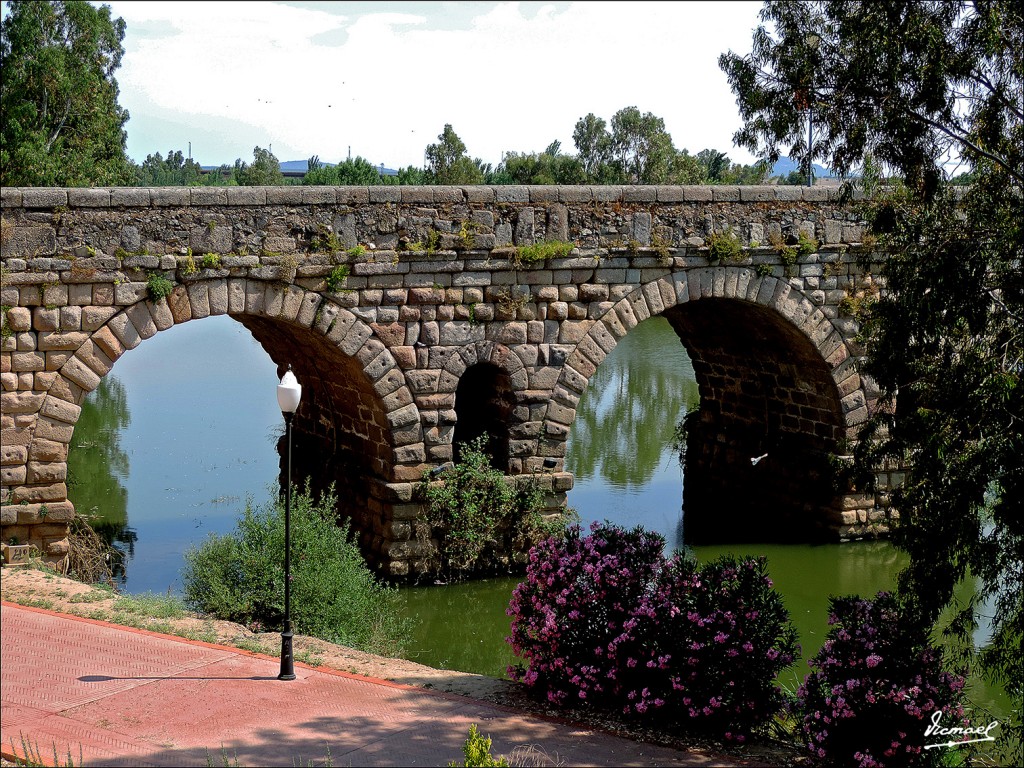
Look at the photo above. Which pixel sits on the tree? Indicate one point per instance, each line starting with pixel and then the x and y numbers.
pixel 174 171
pixel 547 167
pixel 60 123
pixel 910 84
pixel 716 164
pixel 265 170
pixel 594 145
pixel 448 163
pixel 641 146
pixel 349 172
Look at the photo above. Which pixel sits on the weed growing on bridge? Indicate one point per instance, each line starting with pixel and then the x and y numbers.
pixel 724 246
pixel 526 255
pixel 335 281
pixel 5 326
pixel 480 516
pixel 159 287
pixel 210 261
pixel 467 234
pixel 326 241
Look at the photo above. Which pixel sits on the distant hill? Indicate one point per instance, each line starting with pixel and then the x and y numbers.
pixel 785 165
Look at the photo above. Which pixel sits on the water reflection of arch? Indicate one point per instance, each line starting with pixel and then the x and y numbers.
pixel 357 419
pixel 775 376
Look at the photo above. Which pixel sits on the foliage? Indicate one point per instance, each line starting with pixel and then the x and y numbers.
pixel 724 246
pixel 548 249
pixel 946 335
pixel 606 620
pixel 31 756
pixel 159 286
pixel 173 171
pixel 477 749
pixel 61 123
pixel 594 145
pixel 336 280
pixel 718 170
pixel 447 162
pixel 326 240
pixel 874 687
pixel 265 170
pixel 547 167
pixel 90 559
pixel 349 172
pixel 477 513
pixel 641 147
pixel 239 576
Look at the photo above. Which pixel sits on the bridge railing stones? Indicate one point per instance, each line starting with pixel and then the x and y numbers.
pixel 436 283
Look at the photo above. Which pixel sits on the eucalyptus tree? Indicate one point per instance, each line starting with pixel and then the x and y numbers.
pixel 916 85
pixel 448 163
pixel 60 121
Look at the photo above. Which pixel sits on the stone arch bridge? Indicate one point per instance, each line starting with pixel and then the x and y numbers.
pixel 420 317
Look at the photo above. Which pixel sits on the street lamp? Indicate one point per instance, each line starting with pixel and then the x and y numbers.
pixel 813 40
pixel 289 392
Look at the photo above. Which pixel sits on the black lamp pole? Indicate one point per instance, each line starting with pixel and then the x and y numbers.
pixel 289 392
pixel 287 657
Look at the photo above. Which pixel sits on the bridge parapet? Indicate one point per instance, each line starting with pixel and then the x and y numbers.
pixel 387 299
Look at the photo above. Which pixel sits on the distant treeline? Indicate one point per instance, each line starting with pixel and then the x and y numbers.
pixel 635 150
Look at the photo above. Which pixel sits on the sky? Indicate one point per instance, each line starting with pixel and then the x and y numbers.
pixel 381 79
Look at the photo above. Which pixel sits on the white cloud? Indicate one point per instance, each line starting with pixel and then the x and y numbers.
pixel 384 78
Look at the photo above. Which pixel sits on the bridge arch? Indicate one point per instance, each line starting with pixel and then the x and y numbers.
pixel 357 419
pixel 405 290
pixel 775 377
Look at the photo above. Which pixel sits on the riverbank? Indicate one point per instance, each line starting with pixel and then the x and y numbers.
pixel 42 589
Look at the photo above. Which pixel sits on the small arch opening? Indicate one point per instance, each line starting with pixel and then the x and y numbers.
pixel 483 407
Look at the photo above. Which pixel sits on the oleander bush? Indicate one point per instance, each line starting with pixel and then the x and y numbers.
pixel 874 688
pixel 606 620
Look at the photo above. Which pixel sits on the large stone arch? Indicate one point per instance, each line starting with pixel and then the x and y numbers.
pixel 800 375
pixel 356 423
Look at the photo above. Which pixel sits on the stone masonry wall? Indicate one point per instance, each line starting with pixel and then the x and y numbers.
pixel 439 280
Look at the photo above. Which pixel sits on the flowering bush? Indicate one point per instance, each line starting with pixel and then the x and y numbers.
pixel 605 620
pixel 874 687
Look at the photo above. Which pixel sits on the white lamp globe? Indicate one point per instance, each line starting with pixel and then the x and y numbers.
pixel 289 392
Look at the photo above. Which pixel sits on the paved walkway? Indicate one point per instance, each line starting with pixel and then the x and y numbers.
pixel 127 697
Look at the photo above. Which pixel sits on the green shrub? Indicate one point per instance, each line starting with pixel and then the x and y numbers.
pixel 478 513
pixel 806 245
pixel 336 280
pixel 723 246
pixel 159 287
pixel 549 249
pixel 477 750
pixel 239 576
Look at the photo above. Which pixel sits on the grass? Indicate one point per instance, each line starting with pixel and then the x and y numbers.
pixel 32 755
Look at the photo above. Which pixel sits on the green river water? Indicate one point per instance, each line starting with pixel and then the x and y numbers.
pixel 166 453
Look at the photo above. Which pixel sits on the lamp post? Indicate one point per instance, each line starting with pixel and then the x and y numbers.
pixel 289 392
pixel 813 40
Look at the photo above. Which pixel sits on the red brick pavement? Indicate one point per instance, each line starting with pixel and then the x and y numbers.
pixel 125 697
